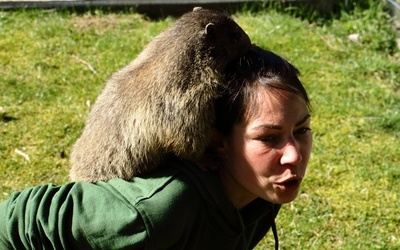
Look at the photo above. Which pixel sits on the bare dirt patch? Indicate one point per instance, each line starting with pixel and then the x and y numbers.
pixel 104 22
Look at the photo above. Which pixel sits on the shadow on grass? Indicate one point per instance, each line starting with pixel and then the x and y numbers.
pixel 6 118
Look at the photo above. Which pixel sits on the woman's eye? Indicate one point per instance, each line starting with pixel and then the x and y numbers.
pixel 269 138
pixel 303 131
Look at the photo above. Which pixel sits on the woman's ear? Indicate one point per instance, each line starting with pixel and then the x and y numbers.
pixel 211 159
pixel 218 141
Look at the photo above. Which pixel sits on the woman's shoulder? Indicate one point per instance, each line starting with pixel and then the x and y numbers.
pixel 165 184
pixel 168 200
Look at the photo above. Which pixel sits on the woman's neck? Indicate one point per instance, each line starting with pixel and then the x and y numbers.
pixel 239 196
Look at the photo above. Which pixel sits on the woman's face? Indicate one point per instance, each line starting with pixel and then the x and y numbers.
pixel 267 153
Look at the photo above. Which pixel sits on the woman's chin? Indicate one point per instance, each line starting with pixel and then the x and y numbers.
pixel 283 197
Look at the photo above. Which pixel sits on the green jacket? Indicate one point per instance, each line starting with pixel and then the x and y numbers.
pixel 176 207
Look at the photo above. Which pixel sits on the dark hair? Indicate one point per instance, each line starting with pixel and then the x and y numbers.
pixel 257 68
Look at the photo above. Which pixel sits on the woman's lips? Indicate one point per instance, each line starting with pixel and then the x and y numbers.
pixel 289 184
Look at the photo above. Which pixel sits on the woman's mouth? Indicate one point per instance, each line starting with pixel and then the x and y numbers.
pixel 289 185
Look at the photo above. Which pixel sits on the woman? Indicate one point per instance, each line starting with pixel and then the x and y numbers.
pixel 259 154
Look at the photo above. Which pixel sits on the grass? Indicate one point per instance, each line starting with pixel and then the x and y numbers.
pixel 350 198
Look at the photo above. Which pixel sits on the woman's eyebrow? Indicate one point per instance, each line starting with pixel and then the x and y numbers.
pixel 303 120
pixel 278 127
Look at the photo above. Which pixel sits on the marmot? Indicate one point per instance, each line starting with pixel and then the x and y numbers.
pixel 162 102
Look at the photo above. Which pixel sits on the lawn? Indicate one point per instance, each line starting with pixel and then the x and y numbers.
pixel 54 63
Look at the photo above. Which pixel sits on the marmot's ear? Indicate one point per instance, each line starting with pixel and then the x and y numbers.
pixel 210 29
pixel 197 8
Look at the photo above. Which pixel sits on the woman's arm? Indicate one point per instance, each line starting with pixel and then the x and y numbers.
pixel 73 216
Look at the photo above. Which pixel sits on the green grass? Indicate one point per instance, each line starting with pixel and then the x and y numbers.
pixel 350 198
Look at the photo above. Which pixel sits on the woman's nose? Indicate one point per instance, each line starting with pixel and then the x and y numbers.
pixel 291 153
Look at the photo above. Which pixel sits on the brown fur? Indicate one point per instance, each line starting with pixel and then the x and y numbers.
pixel 162 102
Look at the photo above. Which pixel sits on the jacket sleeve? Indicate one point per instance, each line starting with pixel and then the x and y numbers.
pixel 73 216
